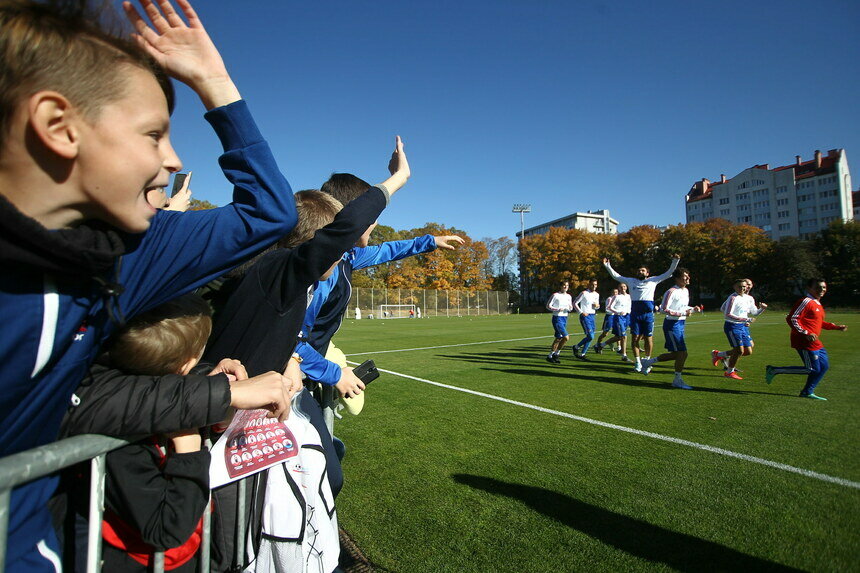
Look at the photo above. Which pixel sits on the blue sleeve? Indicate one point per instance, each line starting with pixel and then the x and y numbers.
pixel 316 367
pixel 364 257
pixel 182 251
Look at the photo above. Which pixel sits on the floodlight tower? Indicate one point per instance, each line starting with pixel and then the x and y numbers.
pixel 522 209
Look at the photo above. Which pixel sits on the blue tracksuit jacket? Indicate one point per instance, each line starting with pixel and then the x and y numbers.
pixel 54 327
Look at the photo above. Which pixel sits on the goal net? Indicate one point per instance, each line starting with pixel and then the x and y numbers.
pixel 396 310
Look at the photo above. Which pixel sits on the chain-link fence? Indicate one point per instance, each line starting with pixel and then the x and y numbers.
pixel 429 302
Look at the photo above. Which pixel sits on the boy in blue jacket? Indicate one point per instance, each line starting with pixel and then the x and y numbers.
pixel 84 122
pixel 331 296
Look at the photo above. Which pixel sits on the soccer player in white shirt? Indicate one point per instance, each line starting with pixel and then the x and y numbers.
pixel 740 311
pixel 642 288
pixel 560 304
pixel 620 321
pixel 586 304
pixel 608 321
pixel 676 307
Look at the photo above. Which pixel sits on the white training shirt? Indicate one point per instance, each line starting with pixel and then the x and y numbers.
pixel 560 304
pixel 676 303
pixel 587 302
pixel 607 304
pixel 642 289
pixel 739 307
pixel 621 304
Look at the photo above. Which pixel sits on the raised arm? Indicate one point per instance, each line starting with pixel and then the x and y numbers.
pixel 672 266
pixel 612 272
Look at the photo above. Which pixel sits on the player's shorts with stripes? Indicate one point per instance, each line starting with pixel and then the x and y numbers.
pixel 642 324
pixel 559 324
pixel 608 321
pixel 620 324
pixel 738 334
pixel 673 330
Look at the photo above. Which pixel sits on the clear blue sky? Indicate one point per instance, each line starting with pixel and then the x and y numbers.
pixel 566 105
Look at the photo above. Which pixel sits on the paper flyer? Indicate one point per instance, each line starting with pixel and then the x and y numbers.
pixel 252 443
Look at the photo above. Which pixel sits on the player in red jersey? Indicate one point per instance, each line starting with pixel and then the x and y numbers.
pixel 806 320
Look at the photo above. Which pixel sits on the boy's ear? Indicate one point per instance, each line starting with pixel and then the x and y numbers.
pixel 186 368
pixel 54 120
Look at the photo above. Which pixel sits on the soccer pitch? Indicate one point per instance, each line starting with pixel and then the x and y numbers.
pixel 475 454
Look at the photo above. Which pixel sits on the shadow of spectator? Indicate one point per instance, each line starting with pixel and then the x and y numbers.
pixel 677 550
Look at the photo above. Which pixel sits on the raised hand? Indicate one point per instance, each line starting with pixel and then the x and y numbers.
pixel 398 166
pixel 448 241
pixel 185 51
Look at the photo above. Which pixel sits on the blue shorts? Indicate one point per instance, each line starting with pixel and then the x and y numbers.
pixel 587 323
pixel 620 324
pixel 738 334
pixel 608 321
pixel 642 324
pixel 559 324
pixel 673 330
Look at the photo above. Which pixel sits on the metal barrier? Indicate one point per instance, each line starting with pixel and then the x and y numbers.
pixel 27 466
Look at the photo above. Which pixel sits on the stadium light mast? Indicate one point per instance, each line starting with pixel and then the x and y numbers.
pixel 522 209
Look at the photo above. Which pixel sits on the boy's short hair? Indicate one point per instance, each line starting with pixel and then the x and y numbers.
pixel 316 210
pixel 680 272
pixel 160 341
pixel 59 45
pixel 345 187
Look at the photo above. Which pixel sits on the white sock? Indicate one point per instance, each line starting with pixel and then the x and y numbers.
pixel 639 360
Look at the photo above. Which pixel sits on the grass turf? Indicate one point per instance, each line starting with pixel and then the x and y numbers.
pixel 441 480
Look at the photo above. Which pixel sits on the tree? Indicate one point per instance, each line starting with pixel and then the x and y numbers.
pixel 839 245
pixel 792 262
pixel 560 255
pixel 200 205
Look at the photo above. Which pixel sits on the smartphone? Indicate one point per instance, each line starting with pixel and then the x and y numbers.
pixel 178 181
pixel 366 372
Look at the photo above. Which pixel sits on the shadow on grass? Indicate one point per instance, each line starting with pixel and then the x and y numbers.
pixel 636 537
pixel 585 371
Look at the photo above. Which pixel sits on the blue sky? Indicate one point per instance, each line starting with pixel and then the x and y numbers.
pixel 569 106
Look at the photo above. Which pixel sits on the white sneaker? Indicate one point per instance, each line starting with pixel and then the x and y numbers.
pixel 637 367
pixel 647 363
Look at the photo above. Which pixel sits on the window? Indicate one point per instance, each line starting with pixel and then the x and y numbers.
pixel 745 219
pixel 743 207
pixel 782 215
pixel 724 201
pixel 724 212
pixel 784 226
pixel 766 228
pixel 781 189
pixel 742 196
pixel 780 202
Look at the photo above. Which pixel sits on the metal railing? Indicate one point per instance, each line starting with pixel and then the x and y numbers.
pixel 27 466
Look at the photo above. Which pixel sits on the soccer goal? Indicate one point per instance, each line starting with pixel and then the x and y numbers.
pixel 396 310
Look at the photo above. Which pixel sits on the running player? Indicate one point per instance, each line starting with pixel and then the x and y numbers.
pixel 806 320
pixel 740 310
pixel 586 304
pixel 560 304
pixel 642 288
pixel 676 307
pixel 608 321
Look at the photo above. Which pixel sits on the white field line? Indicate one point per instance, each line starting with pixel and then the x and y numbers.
pixel 484 342
pixel 705 447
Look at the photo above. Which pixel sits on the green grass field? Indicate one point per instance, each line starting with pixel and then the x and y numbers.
pixel 443 480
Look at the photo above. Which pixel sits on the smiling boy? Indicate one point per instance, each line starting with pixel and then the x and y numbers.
pixel 84 122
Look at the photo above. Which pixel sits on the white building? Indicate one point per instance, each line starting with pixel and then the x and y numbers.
pixel 591 221
pixel 796 200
